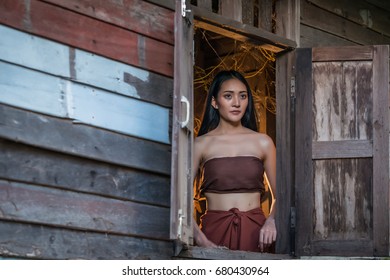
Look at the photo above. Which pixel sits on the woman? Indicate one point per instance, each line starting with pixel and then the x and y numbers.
pixel 232 157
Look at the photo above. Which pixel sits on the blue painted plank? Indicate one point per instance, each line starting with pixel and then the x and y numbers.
pixel 57 59
pixel 33 52
pixel 35 91
pixel 119 113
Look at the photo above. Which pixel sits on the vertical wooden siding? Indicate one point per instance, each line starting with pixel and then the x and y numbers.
pixel 85 101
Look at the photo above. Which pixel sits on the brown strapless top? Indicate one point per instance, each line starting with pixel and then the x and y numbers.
pixel 233 175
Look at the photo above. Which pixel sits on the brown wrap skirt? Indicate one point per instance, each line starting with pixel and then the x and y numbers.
pixel 234 229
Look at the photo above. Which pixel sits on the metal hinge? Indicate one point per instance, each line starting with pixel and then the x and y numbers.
pixel 292 86
pixel 184 8
pixel 180 226
pixel 293 219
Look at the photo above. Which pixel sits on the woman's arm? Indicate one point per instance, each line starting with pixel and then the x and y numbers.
pixel 268 231
pixel 199 236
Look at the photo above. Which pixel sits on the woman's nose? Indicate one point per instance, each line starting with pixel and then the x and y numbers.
pixel 236 101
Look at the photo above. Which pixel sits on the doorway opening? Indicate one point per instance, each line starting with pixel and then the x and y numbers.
pixel 214 52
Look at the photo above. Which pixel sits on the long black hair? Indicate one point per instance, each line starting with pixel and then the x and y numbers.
pixel 211 116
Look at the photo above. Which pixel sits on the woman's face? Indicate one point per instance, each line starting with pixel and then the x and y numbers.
pixel 232 100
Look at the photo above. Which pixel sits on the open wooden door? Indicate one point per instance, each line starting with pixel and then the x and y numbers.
pixel 342 151
pixel 182 129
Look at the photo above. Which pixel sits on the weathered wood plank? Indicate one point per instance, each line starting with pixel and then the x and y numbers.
pixel 285 159
pixel 288 20
pixel 359 12
pixel 231 9
pixel 241 32
pixel 121 78
pixel 346 53
pixel 303 157
pixel 48 94
pixel 342 149
pixel 332 247
pixel 342 104
pixel 28 164
pixel 380 96
pixel 264 15
pixel 57 59
pixel 343 190
pixel 85 33
pixel 40 242
pixel 224 254
pixel 24 88
pixel 310 37
pixel 84 141
pixel 41 205
pixel 34 52
pixel 118 113
pixel 318 18
pixel 136 15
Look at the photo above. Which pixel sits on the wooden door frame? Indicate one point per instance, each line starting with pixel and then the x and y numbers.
pixel 300 143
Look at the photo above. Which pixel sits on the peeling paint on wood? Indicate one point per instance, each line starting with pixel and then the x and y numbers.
pixel 342 199
pixel 340 101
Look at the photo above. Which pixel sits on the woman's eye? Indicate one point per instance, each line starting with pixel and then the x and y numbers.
pixel 228 96
pixel 243 96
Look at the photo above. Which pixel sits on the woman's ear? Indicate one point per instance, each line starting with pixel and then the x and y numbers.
pixel 214 103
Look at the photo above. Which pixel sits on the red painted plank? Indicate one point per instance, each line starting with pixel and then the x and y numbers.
pixel 89 34
pixel 136 15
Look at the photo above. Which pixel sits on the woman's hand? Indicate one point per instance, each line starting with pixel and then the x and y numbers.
pixel 267 234
pixel 201 239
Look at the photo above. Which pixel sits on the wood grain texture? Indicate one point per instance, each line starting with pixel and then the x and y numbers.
pixel 84 32
pixel 342 107
pixel 28 241
pixel 28 164
pixel 343 191
pixel 51 95
pixel 340 26
pixel 81 140
pixel 285 159
pixel 40 205
pixel 381 199
pixel 303 151
pixel 136 15
pixel 311 37
pixel 57 59
pixel 342 149
pixel 360 12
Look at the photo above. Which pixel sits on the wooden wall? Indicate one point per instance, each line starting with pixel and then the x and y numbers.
pixel 343 22
pixel 85 104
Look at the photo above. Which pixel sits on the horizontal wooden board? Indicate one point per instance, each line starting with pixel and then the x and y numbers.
pixel 139 16
pixel 83 141
pixel 360 12
pixel 51 95
pixel 311 37
pixel 30 241
pixel 89 34
pixel 57 59
pixel 26 164
pixel 32 90
pixel 40 205
pixel 118 113
pixel 350 247
pixel 342 149
pixel 343 191
pixel 233 29
pixel 224 254
pixel 332 23
pixel 347 53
